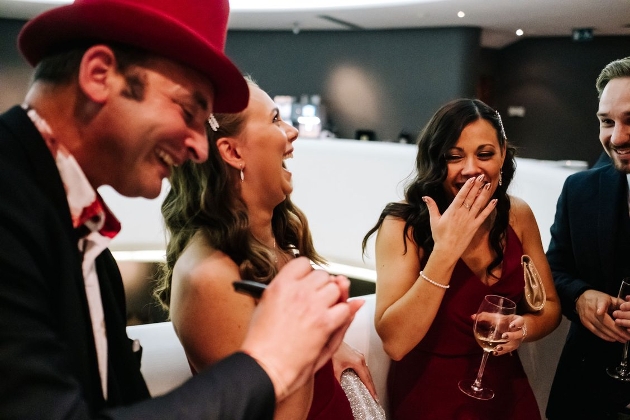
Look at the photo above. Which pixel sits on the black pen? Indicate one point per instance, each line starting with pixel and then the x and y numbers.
pixel 250 287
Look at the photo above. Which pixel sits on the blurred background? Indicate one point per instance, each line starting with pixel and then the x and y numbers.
pixel 373 72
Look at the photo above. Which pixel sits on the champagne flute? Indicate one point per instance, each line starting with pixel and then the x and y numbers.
pixel 622 371
pixel 492 321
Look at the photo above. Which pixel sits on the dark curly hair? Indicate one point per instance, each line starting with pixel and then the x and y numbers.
pixel 206 198
pixel 438 136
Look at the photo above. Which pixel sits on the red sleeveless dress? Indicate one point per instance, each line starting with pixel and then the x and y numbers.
pixel 329 400
pixel 423 385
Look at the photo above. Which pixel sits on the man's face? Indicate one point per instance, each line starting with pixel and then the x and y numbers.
pixel 614 122
pixel 143 138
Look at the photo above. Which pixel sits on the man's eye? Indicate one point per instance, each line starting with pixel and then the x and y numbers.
pixel 188 116
pixel 606 123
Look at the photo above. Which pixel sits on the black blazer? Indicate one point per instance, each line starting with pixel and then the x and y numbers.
pixel 582 256
pixel 48 366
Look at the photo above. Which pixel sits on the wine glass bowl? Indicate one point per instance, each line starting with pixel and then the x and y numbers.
pixel 622 370
pixel 491 322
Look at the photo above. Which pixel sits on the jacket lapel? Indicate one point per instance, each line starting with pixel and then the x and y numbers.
pixel 612 194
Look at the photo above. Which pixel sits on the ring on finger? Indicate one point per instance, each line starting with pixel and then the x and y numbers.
pixel 467 206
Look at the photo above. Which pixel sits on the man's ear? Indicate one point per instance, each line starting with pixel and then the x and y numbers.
pixel 97 72
pixel 230 153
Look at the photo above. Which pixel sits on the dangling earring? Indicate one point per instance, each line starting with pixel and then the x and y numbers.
pixel 242 174
pixel 500 177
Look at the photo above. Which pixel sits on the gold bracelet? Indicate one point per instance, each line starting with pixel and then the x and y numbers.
pixel 435 283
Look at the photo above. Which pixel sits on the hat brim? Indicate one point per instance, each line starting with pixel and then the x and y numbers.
pixel 140 27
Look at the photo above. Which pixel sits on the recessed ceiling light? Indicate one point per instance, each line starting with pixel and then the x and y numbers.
pixel 519 32
pixel 461 14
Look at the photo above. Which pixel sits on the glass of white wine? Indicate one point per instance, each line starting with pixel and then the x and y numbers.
pixel 492 321
pixel 622 370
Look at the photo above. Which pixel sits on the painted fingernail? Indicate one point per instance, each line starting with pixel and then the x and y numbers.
pixel 487 186
pixel 425 199
pixel 480 178
pixel 500 348
pixel 493 202
pixel 495 353
pixel 504 335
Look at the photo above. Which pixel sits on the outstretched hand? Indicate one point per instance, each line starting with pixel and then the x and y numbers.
pixel 454 229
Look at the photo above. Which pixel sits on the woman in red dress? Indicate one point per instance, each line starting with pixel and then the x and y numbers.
pixel 457 237
pixel 231 218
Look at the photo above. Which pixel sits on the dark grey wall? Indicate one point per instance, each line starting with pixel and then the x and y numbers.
pixel 554 79
pixel 15 73
pixel 380 80
pixel 393 80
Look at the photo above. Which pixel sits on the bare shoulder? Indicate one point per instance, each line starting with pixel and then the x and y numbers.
pixel 393 223
pixel 520 210
pixel 393 228
pixel 201 265
pixel 522 217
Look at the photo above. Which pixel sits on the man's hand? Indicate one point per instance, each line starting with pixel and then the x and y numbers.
pixel 622 316
pixel 298 324
pixel 593 307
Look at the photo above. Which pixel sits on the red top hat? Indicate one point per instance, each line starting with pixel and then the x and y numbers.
pixel 191 32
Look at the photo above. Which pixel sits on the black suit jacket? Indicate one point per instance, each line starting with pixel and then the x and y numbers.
pixel 48 365
pixel 582 256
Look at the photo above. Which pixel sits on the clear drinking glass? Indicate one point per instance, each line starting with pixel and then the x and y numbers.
pixel 492 321
pixel 622 371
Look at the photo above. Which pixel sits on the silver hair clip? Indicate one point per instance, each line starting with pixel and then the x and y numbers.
pixel 214 124
pixel 501 124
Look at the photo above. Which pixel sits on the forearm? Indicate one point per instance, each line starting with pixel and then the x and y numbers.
pixel 236 388
pixel 297 405
pixel 543 323
pixel 405 323
pixel 562 257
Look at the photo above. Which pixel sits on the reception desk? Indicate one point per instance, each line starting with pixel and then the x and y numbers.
pixel 342 186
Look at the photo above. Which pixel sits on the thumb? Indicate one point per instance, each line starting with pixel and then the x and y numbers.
pixel 601 306
pixel 434 213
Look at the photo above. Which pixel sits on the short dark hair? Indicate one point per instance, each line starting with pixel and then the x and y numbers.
pixel 613 70
pixel 62 67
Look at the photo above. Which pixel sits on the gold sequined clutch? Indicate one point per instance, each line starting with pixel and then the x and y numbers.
pixel 364 407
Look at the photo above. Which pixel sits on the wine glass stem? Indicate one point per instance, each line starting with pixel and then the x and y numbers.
pixel 624 360
pixel 477 384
